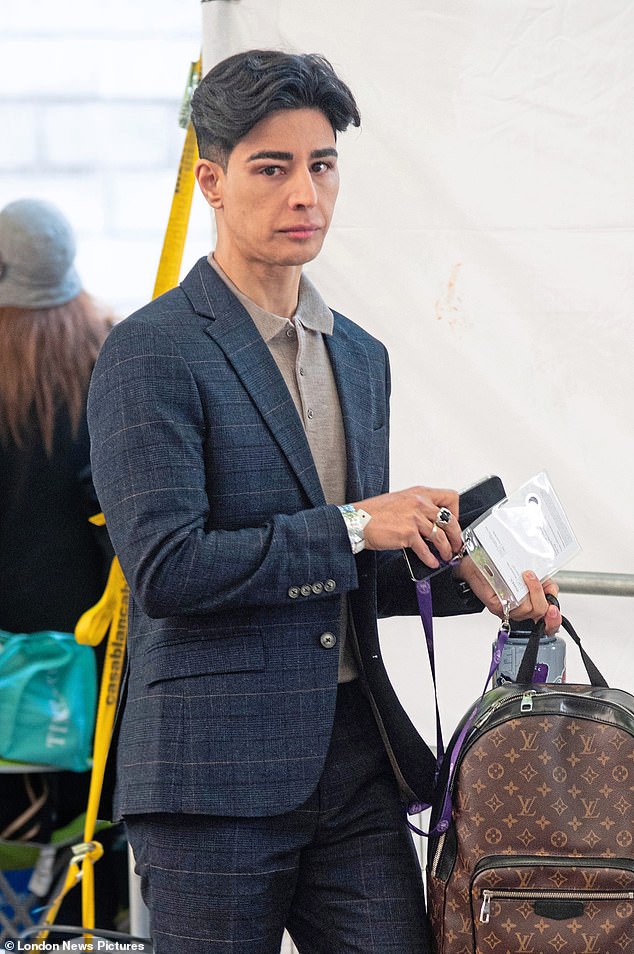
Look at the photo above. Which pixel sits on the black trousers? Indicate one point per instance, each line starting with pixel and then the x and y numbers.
pixel 340 872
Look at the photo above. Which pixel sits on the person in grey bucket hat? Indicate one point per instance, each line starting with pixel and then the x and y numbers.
pixel 53 563
pixel 37 251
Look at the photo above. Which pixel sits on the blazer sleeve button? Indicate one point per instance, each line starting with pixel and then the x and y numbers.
pixel 306 589
pixel 328 640
pixel 329 586
pixel 317 588
pixel 293 592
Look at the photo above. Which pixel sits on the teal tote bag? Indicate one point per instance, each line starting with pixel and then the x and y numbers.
pixel 48 690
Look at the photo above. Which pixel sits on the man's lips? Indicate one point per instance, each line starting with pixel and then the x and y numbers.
pixel 300 231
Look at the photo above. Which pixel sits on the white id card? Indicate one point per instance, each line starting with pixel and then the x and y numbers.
pixel 528 530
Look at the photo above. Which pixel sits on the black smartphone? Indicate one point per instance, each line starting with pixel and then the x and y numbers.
pixel 474 501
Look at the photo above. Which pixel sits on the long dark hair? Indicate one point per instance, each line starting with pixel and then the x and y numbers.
pixel 47 359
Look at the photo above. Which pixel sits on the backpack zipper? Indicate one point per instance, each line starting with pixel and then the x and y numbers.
pixel 537 895
pixel 528 698
pixel 437 855
pixel 523 696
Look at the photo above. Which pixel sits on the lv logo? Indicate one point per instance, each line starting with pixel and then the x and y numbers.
pixel 590 879
pixel 525 878
pixel 529 741
pixel 587 745
pixel 590 805
pixel 527 803
pixel 591 942
pixel 466 924
pixel 523 942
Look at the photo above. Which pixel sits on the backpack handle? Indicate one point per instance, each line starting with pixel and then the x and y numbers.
pixel 529 659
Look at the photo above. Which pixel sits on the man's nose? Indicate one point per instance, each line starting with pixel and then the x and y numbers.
pixel 303 191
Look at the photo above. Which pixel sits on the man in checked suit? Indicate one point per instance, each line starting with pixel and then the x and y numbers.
pixel 240 449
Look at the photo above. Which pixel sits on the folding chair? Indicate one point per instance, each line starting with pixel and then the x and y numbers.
pixel 32 871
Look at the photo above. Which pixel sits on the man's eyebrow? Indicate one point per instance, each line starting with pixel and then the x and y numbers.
pixel 288 156
pixel 270 154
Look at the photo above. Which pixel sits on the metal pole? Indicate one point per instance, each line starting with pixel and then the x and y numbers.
pixel 139 914
pixel 596 584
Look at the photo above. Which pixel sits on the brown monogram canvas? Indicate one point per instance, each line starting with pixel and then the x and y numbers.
pixel 540 860
pixel 557 908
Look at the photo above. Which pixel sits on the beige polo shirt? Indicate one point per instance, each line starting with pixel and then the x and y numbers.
pixel 299 349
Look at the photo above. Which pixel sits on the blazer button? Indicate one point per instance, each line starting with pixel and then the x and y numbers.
pixel 306 589
pixel 317 588
pixel 293 592
pixel 329 586
pixel 328 640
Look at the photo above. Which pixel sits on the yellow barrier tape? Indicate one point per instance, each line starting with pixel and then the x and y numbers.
pixel 90 850
pixel 172 254
pixel 94 624
pixel 110 614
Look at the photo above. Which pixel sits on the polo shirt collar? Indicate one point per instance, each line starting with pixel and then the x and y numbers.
pixel 312 312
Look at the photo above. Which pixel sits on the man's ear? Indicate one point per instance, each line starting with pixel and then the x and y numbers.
pixel 210 176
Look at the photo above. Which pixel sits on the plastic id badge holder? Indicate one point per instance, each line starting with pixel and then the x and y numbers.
pixel 528 530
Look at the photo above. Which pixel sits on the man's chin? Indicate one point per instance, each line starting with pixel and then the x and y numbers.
pixel 300 255
pixel 300 252
pixel 297 260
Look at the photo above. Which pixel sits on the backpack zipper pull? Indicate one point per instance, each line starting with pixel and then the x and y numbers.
pixel 485 910
pixel 526 704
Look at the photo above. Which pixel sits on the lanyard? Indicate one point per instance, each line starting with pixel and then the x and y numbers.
pixel 423 594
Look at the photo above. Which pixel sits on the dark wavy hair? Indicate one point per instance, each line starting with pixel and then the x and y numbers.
pixel 243 89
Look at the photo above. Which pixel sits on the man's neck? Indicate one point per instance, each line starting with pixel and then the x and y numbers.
pixel 275 288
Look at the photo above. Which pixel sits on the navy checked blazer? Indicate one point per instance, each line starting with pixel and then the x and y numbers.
pixel 236 564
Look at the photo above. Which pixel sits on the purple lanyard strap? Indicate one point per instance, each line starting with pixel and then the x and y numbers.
pixel 423 594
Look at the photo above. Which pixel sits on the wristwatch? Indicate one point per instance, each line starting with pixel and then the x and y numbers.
pixel 356 521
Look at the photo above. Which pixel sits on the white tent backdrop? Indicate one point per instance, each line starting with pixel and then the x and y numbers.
pixel 484 233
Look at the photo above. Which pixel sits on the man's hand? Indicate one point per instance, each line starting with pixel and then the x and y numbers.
pixel 534 605
pixel 406 518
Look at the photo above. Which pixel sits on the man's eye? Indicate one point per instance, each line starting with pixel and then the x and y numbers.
pixel 321 166
pixel 271 171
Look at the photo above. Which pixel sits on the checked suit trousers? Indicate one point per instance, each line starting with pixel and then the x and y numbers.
pixel 339 872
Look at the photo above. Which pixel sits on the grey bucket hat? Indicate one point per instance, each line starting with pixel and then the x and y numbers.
pixel 37 251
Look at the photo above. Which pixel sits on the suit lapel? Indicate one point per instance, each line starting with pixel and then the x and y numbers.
pixel 351 369
pixel 232 328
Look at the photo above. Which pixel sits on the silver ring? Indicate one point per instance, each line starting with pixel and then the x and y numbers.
pixel 443 517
